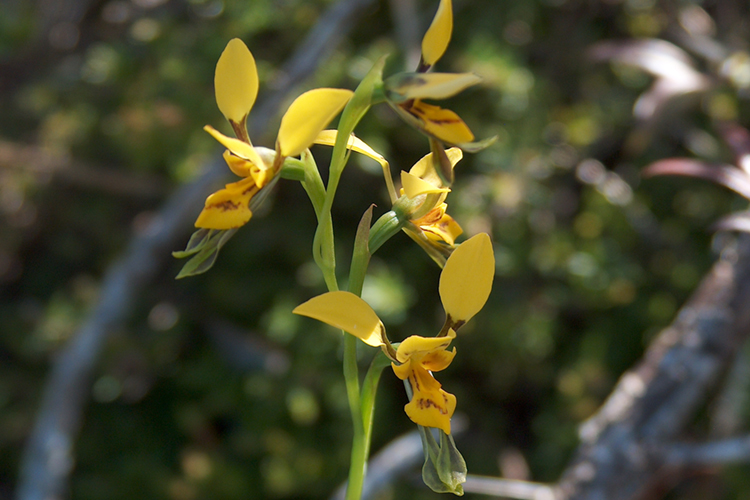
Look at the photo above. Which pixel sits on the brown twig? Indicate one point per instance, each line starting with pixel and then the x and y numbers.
pixel 48 458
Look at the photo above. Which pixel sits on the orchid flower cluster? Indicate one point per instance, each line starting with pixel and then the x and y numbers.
pixel 418 208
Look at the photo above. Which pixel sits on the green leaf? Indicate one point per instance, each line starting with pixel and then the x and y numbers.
pixel 204 245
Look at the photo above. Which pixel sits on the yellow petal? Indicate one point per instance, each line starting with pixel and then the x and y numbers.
pixel 237 147
pixel 438 360
pixel 229 207
pixel 466 280
pixel 425 168
pixel 444 229
pixel 328 138
pixel 438 35
pixel 420 346
pixel 442 124
pixel 348 312
pixel 404 86
pixel 307 116
pixel 236 81
pixel 414 186
pixel 430 406
pixel 239 166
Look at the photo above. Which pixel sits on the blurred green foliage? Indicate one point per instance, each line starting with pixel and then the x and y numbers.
pixel 214 390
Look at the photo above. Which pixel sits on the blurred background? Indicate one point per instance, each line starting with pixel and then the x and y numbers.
pixel 210 388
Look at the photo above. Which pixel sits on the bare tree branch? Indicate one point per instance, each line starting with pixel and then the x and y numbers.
pixel 622 451
pixel 719 452
pixel 508 488
pixel 48 458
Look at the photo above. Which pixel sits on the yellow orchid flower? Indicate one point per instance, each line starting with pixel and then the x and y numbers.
pixel 465 285
pixel 430 405
pixel 236 85
pixel 432 228
pixel 405 91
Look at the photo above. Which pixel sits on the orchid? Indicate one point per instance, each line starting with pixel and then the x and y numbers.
pixel 236 84
pixel 465 285
pixel 418 208
pixel 405 91
pixel 429 225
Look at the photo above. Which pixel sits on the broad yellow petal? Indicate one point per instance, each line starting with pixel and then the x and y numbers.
pixel 466 280
pixel 236 81
pixel 229 207
pixel 348 312
pixel 237 147
pixel 307 116
pixel 404 86
pixel 438 35
pixel 414 186
pixel 442 124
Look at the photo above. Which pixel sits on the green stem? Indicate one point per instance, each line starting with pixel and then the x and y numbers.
pixel 360 445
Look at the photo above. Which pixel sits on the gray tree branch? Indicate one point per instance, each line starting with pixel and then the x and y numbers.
pixel 49 454
pixel 623 450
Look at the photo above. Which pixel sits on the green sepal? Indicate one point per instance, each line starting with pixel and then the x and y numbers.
pixel 444 469
pixel 477 146
pixel 204 246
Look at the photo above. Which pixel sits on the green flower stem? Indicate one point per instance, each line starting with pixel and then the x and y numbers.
pixel 325 258
pixel 323 243
pixel 358 459
pixel 306 170
pixel 369 389
pixel 392 222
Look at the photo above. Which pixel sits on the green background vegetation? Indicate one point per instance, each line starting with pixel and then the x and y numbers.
pixel 213 390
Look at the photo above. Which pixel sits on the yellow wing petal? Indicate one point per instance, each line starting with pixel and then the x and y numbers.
pixel 466 280
pixel 236 81
pixel 438 35
pixel 237 147
pixel 348 312
pixel 328 138
pixel 307 116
